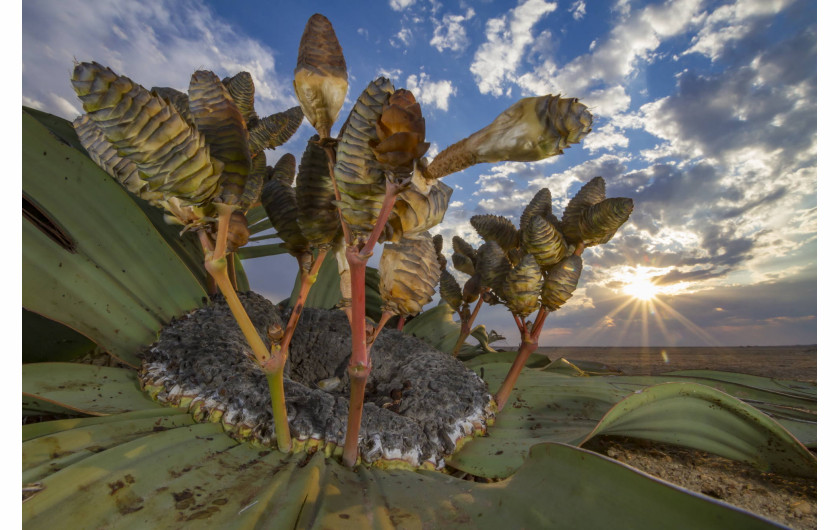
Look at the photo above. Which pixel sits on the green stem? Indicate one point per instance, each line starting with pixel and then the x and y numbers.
pixel 278 407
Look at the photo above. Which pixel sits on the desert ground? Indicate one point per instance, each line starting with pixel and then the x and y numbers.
pixel 787 500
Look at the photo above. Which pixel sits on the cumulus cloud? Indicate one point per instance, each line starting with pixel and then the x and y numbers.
pixel 400 5
pixel 450 33
pixel 731 22
pixel 428 92
pixel 578 9
pixel 496 61
pixel 614 59
pixel 153 44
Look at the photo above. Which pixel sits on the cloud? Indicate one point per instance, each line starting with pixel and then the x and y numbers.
pixel 400 5
pixel 496 60
pixel 427 92
pixel 578 9
pixel 450 33
pixel 153 44
pixel 731 22
pixel 613 60
pixel 403 37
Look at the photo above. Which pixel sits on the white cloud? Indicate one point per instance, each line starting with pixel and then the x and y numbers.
pixel 578 9
pixel 154 44
pixel 731 22
pixel 450 33
pixel 403 37
pixel 394 75
pixel 429 92
pixel 400 5
pixel 495 62
pixel 615 58
pixel 606 137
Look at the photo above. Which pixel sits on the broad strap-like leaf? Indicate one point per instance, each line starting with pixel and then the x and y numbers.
pixel 698 416
pixel 84 388
pixel 181 474
pixel 91 258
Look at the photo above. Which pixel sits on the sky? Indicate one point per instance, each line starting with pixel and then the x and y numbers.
pixel 705 115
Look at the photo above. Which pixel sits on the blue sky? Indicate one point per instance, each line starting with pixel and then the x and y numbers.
pixel 705 115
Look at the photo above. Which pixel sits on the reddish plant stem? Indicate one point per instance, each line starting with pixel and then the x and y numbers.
pixel 467 321
pixel 329 149
pixel 529 344
pixel 519 324
pixel 386 316
pixel 388 201
pixel 359 366
pixel 307 279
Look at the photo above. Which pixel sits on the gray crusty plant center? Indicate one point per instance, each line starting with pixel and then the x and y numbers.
pixel 419 403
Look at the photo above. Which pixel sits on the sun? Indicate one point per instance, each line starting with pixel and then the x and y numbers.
pixel 641 289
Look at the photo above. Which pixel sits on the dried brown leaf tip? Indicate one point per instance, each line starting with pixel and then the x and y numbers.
pixel 321 74
pixel 400 131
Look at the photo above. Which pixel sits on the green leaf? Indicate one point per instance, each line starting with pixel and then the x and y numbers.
pixel 43 428
pixel 436 327
pixel 580 368
pixel 546 406
pixel 241 276
pixel 260 251
pixel 45 455
pixel 83 388
pixel 197 473
pixel 325 293
pixel 535 360
pixel 46 340
pixel 790 387
pixel 543 407
pixel 103 274
pixel 698 416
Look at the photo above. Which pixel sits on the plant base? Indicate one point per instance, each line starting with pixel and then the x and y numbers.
pixel 420 403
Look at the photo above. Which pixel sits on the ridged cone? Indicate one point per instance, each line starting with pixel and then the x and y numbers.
pixel 177 99
pixel 241 90
pixel 321 74
pixel 561 281
pixel 284 169
pixel 254 183
pixel 521 288
pixel 216 117
pixel 472 289
pixel 463 264
pixel 278 199
pixel 171 156
pixel 359 176
pixel 539 205
pixel 492 265
pixel 496 228
pixel 462 247
pixel 408 275
pixel 318 219
pixel 105 156
pixel 530 130
pixel 544 242
pixel 274 130
pixel 591 193
pixel 450 291
pixel 601 221
pixel 415 212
